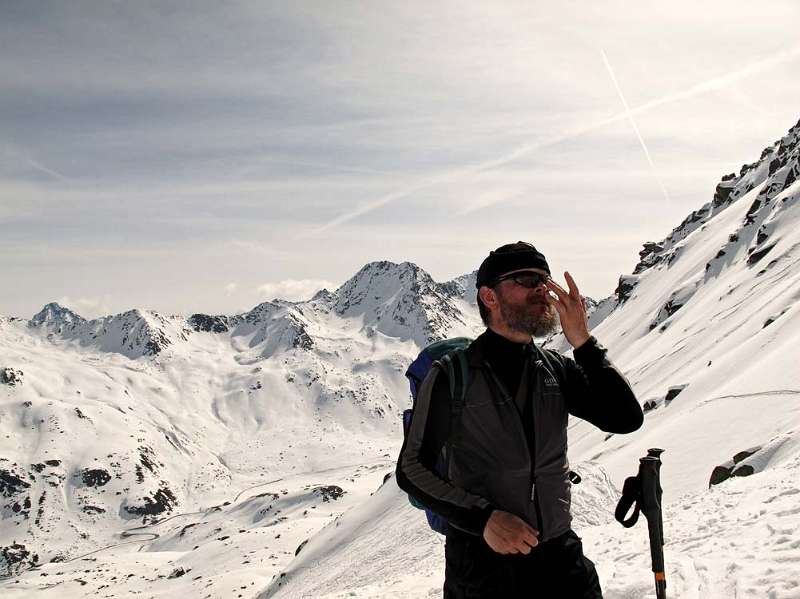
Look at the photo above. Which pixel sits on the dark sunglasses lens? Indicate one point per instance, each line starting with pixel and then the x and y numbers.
pixel 529 280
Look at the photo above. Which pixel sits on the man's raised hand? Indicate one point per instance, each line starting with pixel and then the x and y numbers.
pixel 571 310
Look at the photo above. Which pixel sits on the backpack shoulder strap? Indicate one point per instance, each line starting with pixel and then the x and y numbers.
pixel 457 369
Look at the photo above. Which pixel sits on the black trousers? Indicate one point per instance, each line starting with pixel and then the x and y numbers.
pixel 555 569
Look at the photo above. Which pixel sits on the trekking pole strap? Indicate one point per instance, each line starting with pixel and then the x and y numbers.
pixel 631 495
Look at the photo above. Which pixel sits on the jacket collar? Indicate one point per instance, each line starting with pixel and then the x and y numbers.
pixel 490 341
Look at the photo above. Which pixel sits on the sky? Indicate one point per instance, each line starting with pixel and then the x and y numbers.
pixel 204 156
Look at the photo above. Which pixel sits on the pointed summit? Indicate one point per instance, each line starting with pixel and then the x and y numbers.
pixel 378 281
pixel 56 319
pixel 403 301
pixel 136 333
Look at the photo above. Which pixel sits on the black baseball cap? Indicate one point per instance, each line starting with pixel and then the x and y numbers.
pixel 508 258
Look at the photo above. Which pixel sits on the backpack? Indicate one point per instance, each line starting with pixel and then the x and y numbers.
pixel 450 356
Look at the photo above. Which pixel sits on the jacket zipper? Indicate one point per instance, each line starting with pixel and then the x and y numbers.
pixel 506 396
pixel 535 366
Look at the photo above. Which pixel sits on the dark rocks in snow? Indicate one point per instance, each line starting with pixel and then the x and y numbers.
pixel 625 287
pixel 302 340
pixel 187 527
pixel 53 463
pixel 15 557
pixel 733 467
pixel 162 501
pixel 649 405
pixel 299 547
pixel 772 319
pixel 750 217
pixel 328 492
pixel 93 509
pixel 209 324
pixel 746 453
pixel 147 458
pixel 650 247
pixel 11 484
pixel 323 295
pixel 10 376
pixel 178 572
pixel 724 189
pixel 95 477
pixel 720 474
pixel 758 254
pixel 667 310
pixel 673 392
pixel 649 256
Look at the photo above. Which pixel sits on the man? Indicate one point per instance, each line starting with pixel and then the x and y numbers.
pixel 506 491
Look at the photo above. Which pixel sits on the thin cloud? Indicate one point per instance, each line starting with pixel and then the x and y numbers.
pixel 88 307
pixel 709 85
pixel 293 289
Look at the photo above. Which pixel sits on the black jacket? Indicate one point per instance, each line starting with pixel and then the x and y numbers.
pixel 510 452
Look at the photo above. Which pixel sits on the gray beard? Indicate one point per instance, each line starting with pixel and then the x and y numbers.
pixel 522 320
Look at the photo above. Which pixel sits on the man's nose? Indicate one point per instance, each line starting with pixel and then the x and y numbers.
pixel 540 290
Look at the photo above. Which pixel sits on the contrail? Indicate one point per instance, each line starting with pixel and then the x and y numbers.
pixel 712 84
pixel 635 126
pixel 40 167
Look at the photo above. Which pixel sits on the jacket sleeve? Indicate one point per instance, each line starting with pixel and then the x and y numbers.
pixel 597 392
pixel 416 474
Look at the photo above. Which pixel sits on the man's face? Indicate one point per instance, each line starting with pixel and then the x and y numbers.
pixel 526 310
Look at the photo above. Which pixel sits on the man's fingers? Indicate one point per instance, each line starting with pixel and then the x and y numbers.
pixel 573 288
pixel 530 537
pixel 555 301
pixel 556 288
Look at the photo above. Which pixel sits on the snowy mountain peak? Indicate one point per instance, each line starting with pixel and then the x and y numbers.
pixel 378 280
pixel 462 287
pixel 400 300
pixel 56 318
pixel 135 333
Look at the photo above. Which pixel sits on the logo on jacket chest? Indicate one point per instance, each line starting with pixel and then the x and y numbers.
pixel 549 380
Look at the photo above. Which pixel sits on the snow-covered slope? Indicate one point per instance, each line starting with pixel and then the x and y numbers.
pixel 122 421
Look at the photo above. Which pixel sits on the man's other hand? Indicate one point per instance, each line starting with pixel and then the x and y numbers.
pixel 506 533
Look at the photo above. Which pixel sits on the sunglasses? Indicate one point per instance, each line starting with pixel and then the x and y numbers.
pixel 530 280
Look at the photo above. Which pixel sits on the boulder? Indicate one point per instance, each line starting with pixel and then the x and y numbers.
pixel 733 467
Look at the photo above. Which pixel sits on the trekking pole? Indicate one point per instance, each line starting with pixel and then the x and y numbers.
pixel 642 493
pixel 649 471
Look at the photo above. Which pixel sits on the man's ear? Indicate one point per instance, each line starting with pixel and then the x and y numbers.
pixel 488 297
